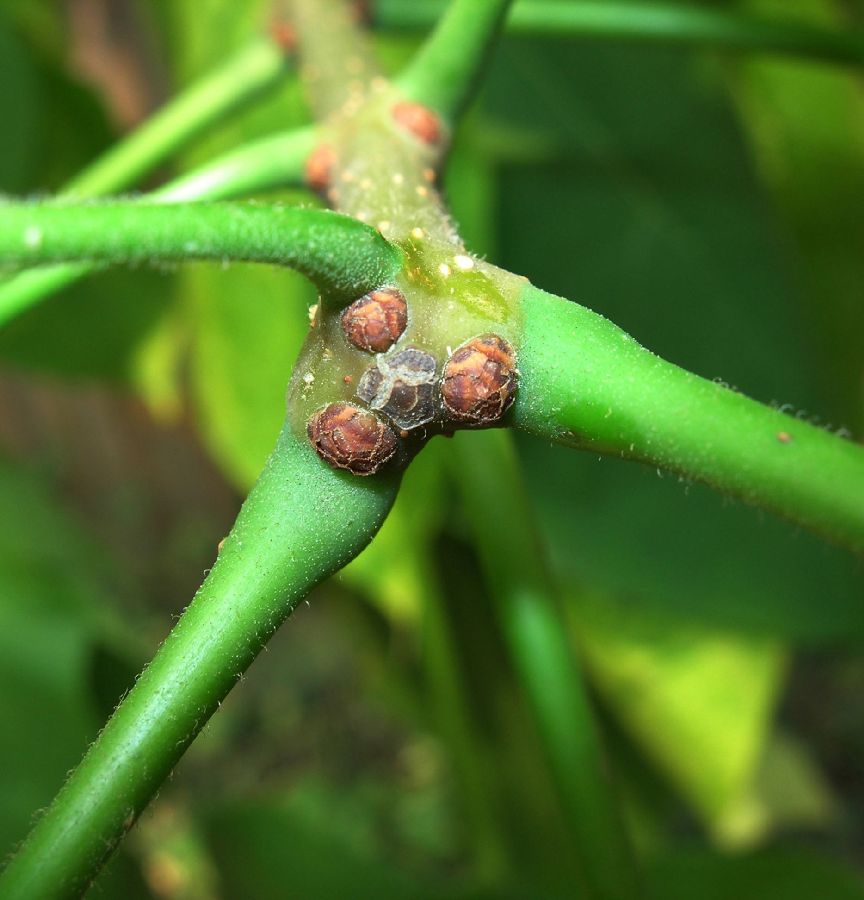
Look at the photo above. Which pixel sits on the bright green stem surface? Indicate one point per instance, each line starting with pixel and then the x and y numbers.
pixel 588 384
pixel 276 552
pixel 266 164
pixel 666 23
pixel 446 70
pixel 535 632
pixel 232 85
pixel 344 257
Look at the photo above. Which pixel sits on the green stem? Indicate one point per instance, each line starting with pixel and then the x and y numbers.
pixel 231 86
pixel 446 70
pixel 588 384
pixel 491 483
pixel 302 522
pixel 337 64
pixel 665 23
pixel 344 257
pixel 267 164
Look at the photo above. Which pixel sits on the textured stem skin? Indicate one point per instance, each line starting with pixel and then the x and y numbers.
pixel 269 163
pixel 233 84
pixel 588 384
pixel 446 70
pixel 276 552
pixel 533 628
pixel 344 257
pixel 665 23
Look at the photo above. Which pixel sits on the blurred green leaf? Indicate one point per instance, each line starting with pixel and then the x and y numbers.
pixel 698 701
pixel 314 842
pixel 51 585
pixel 789 874
pixel 19 108
pixel 806 124
pixel 245 326
pixel 653 217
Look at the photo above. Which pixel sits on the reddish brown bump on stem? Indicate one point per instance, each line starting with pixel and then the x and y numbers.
pixel 283 34
pixel 319 167
pixel 784 437
pixel 419 120
pixel 376 321
pixel 350 438
pixel 480 380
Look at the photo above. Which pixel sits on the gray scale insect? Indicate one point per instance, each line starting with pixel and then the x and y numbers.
pixel 402 387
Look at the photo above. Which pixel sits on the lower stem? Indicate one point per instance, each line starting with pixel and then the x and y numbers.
pixel 277 551
pixel 588 384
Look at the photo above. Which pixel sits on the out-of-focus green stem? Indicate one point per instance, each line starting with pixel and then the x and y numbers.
pixel 501 517
pixel 446 70
pixel 267 164
pixel 588 384
pixel 262 165
pixel 336 60
pixel 244 76
pixel 302 522
pixel 344 257
pixel 665 23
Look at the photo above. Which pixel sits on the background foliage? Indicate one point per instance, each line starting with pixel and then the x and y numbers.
pixel 382 748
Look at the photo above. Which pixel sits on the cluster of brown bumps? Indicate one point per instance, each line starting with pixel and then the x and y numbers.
pixel 402 392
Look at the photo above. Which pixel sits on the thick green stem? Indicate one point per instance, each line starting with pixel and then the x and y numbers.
pixel 588 384
pixel 301 523
pixel 207 101
pixel 267 164
pixel 664 23
pixel 446 70
pixel 344 257
pixel 533 628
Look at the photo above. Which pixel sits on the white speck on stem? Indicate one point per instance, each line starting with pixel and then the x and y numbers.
pixel 444 269
pixel 463 262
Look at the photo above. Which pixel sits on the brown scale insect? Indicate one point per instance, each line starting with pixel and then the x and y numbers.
pixel 376 321
pixel 480 379
pixel 419 120
pixel 350 438
pixel 402 387
pixel 318 169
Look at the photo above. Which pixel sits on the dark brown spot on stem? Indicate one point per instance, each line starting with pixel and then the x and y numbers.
pixel 480 380
pixel 319 167
pixel 376 321
pixel 351 438
pixel 419 120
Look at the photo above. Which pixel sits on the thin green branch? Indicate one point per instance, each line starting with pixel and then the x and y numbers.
pixel 491 483
pixel 446 70
pixel 207 101
pixel 266 164
pixel 664 23
pixel 344 257
pixel 588 384
pixel 302 522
